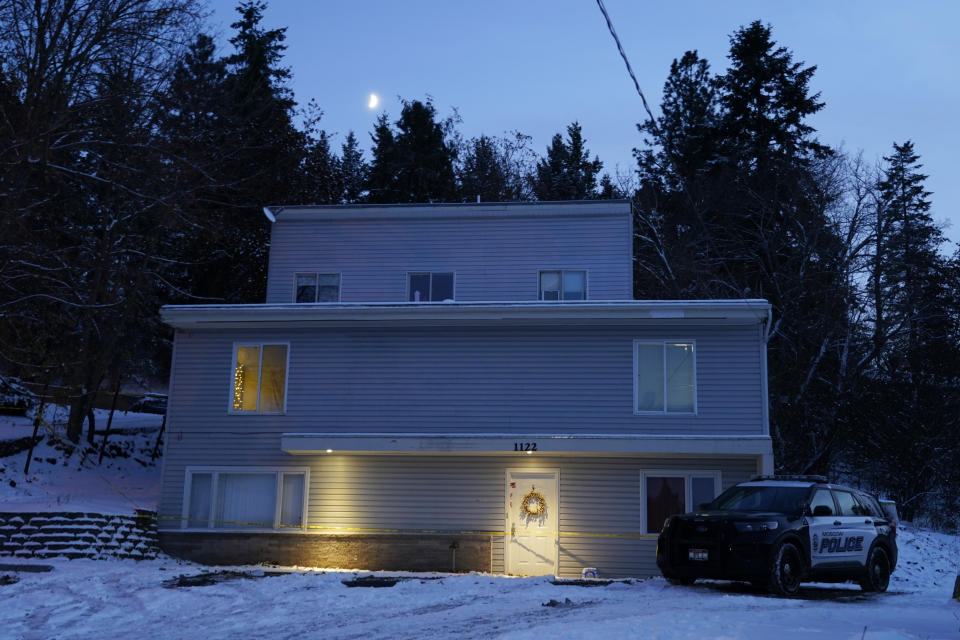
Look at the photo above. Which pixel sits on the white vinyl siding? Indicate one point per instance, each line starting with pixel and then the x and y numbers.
pixel 244 498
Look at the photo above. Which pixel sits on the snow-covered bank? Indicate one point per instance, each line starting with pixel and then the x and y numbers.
pixel 118 485
pixel 89 599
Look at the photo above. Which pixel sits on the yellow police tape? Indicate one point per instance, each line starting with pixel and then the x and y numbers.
pixel 444 532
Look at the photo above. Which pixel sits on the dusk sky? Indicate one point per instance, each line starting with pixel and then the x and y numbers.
pixel 887 70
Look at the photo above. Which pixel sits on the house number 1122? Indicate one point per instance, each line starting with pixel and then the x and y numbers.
pixel 524 446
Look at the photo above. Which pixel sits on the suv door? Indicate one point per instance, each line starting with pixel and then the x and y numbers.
pixel 858 530
pixel 824 527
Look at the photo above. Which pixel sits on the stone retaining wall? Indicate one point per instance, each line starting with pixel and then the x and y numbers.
pixel 78 535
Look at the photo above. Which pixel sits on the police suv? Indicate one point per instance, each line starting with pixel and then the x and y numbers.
pixel 779 531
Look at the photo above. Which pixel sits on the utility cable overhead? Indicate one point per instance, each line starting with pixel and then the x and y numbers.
pixel 636 84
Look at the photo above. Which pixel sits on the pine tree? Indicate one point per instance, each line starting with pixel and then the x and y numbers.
pixel 567 173
pixel 353 170
pixel 916 382
pixel 415 161
pixel 735 201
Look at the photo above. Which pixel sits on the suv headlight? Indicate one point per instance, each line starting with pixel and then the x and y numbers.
pixel 753 527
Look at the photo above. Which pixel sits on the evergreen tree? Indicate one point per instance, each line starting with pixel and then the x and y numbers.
pixel 734 202
pixel 567 173
pixel 414 162
pixel 382 178
pixel 353 170
pixel 915 422
pixel 255 156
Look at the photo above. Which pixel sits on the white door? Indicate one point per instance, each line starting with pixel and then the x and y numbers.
pixel 532 521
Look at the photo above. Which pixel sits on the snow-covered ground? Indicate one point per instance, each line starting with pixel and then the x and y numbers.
pixel 56 482
pixel 128 599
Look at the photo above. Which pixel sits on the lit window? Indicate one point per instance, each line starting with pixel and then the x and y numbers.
pixel 317 287
pixel 665 377
pixel 563 285
pixel 430 287
pixel 259 378
pixel 670 493
pixel 239 498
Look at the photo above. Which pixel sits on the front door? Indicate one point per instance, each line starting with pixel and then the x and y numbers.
pixel 532 520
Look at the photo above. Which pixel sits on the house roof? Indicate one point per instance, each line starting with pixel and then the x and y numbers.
pixel 612 312
pixel 299 213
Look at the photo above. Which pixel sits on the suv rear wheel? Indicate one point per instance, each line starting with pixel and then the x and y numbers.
pixel 786 570
pixel 878 571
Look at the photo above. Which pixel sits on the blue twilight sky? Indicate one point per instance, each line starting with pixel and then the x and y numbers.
pixel 888 70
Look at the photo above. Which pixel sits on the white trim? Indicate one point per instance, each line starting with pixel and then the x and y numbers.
pixel 532 313
pixel 506 513
pixel 687 475
pixel 664 342
pixel 215 472
pixel 233 368
pixel 503 444
pixel 459 211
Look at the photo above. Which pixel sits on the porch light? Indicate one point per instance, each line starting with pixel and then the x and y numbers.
pixel 329 450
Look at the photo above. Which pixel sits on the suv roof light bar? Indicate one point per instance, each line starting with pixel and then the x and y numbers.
pixel 791 478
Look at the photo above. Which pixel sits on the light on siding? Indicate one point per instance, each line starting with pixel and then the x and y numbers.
pixel 529 453
pixel 329 450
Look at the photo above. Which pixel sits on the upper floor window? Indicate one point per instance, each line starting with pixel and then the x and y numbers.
pixel 259 378
pixel 317 287
pixel 664 377
pixel 563 285
pixel 430 286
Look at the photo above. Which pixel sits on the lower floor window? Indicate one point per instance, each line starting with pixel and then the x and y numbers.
pixel 668 493
pixel 245 498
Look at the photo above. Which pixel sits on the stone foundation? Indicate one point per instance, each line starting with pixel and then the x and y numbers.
pixel 398 552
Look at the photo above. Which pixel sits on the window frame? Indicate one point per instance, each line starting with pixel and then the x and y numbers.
pixel 664 342
pixel 233 372
pixel 215 472
pixel 687 476
pixel 316 287
pixel 586 284
pixel 431 273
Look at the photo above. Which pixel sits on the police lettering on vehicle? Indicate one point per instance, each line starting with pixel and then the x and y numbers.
pixel 841 545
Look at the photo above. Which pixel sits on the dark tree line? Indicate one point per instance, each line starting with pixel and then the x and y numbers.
pixel 738 199
pixel 135 159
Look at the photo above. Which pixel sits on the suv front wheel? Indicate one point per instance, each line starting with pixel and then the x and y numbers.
pixel 878 571
pixel 786 569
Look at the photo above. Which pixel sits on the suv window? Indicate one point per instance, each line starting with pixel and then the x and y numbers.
pixel 848 504
pixel 822 498
pixel 760 498
pixel 871 505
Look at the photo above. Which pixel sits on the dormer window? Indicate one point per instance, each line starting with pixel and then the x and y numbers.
pixel 317 287
pixel 430 286
pixel 563 285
